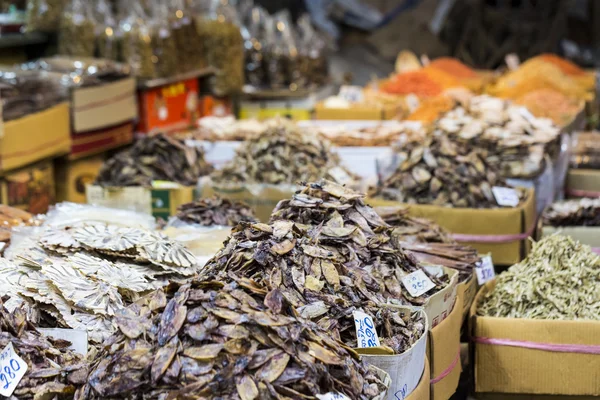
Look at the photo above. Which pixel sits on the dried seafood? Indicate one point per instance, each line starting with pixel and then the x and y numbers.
pixel 216 340
pixel 215 211
pixel 581 212
pixel 442 172
pixel 230 129
pixel 328 255
pixel 512 139
pixel 153 158
pixel 585 151
pixel 9 218
pixel 382 134
pixel 283 154
pixel 558 280
pixel 53 371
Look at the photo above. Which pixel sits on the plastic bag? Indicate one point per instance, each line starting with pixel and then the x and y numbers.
pixel 254 47
pixel 164 47
pixel 77 30
pixel 136 45
pixel 187 39
pixel 106 31
pixel 72 214
pixel 313 49
pixel 44 15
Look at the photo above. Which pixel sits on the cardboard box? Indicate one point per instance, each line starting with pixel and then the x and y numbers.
pixel 30 188
pixel 589 235
pixel 161 200
pixel 583 183
pixel 103 106
pixel 467 291
pixel 90 143
pixel 72 177
pixel 482 223
pixel 443 352
pixel 512 369
pixel 440 305
pixel 356 112
pixel 422 391
pixel 35 137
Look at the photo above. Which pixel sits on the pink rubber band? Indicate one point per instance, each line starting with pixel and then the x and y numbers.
pixel 559 348
pixel 582 193
pixel 447 371
pixel 596 250
pixel 459 237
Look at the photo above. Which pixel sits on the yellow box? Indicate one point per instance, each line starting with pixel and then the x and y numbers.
pixel 72 177
pixel 583 183
pixel 30 188
pixel 511 369
pixel 356 112
pixel 481 221
pixel 35 137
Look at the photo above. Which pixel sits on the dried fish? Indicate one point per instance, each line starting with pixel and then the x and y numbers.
pixel 580 212
pixel 284 154
pixel 151 158
pixel 558 280
pixel 271 360
pixel 215 211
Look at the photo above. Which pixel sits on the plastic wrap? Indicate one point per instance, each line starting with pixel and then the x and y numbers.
pixel 72 214
pixel 77 30
pixel 106 31
pixel 136 46
pixel 44 15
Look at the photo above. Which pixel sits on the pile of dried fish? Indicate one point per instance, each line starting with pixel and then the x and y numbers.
pixel 580 212
pixel 558 280
pixel 215 211
pixel 315 252
pixel 283 154
pixel 383 134
pixel 441 172
pixel 216 340
pixel 428 242
pixel 151 158
pixel 513 140
pixel 53 371
pixel 79 278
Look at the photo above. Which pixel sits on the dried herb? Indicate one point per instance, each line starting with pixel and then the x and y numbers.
pixel 158 157
pixel 580 212
pixel 215 211
pixel 53 371
pixel 224 340
pixel 558 280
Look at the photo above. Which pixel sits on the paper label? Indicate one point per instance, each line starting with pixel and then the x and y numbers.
pixel 417 283
pixel 485 270
pixel 353 94
pixel 12 370
pixel 165 185
pixel 366 334
pixel 332 396
pixel 506 197
pixel 78 338
pixel 512 60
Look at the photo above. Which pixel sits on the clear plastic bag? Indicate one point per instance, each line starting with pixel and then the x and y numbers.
pixel 136 43
pixel 106 31
pixel 72 214
pixel 313 53
pixel 44 15
pixel 254 47
pixel 164 46
pixel 187 39
pixel 77 30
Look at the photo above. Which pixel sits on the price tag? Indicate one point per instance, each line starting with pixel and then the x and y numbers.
pixel 506 197
pixel 417 283
pixel 12 370
pixel 485 270
pixel 366 334
pixel 353 94
pixel 512 60
pixel 332 396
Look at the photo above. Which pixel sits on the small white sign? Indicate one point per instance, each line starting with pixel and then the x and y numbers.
pixel 78 338
pixel 512 60
pixel 366 333
pixel 332 396
pixel 417 283
pixel 506 197
pixel 12 370
pixel 485 270
pixel 353 94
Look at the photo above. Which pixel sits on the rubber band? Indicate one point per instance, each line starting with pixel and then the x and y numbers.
pixel 448 370
pixel 558 348
pixel 582 193
pixel 459 237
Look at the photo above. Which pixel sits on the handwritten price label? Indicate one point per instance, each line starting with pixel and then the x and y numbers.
pixel 366 334
pixel 332 396
pixel 12 370
pixel 353 94
pixel 485 270
pixel 505 197
pixel 417 283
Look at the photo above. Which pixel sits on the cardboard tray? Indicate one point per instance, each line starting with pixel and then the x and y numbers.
pixel 35 137
pixel 472 221
pixel 507 369
pixel 422 391
pixel 356 112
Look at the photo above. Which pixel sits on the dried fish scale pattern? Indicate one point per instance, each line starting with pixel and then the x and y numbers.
pixel 442 172
pixel 151 158
pixel 53 371
pixel 215 211
pixel 215 340
pixel 558 280
pixel 283 154
pixel 580 212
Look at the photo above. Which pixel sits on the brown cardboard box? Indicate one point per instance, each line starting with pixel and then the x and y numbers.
pixel 467 290
pixel 30 188
pixel 508 369
pixel 35 137
pixel 356 112
pixel 422 391
pixel 471 221
pixel 104 106
pixel 443 353
pixel 73 176
pixel 583 183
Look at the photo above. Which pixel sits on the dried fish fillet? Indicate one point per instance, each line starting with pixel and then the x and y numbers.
pixel 215 211
pixel 580 212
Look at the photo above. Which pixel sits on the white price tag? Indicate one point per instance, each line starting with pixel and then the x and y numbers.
pixel 332 396
pixel 353 94
pixel 512 60
pixel 506 197
pixel 12 370
pixel 78 338
pixel 417 283
pixel 485 270
pixel 366 334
